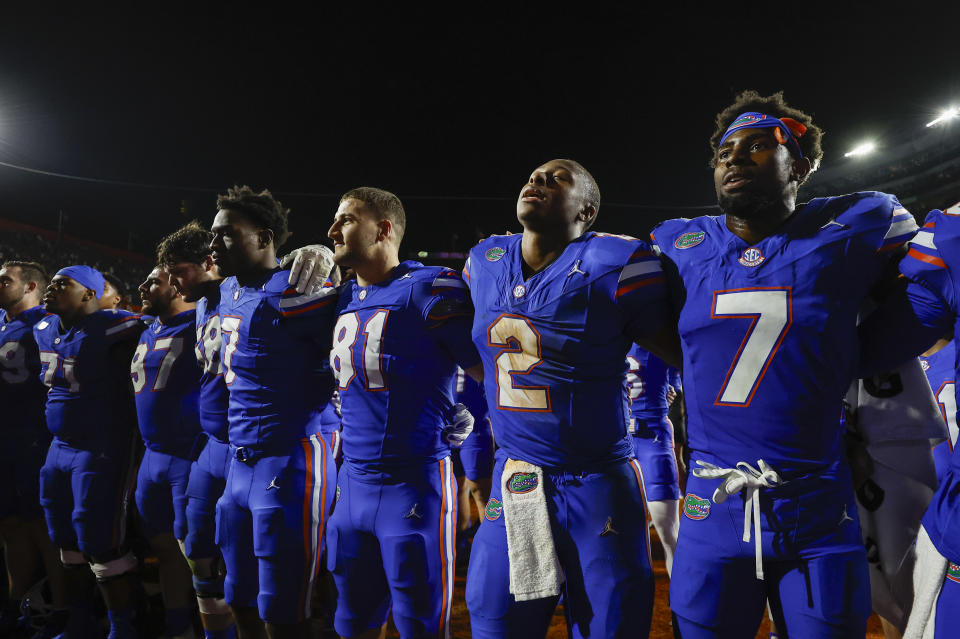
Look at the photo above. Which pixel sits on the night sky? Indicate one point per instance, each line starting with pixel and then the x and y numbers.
pixel 451 109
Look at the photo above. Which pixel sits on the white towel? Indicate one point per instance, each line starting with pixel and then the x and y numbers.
pixel 535 571
pixel 928 575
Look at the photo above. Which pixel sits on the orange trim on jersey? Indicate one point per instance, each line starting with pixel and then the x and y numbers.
pixel 929 225
pixel 929 259
pixel 323 302
pixel 632 287
pixel 890 247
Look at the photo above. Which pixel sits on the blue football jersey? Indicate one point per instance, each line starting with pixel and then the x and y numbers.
pixel 469 392
pixel 933 266
pixel 769 331
pixel 213 390
pixel 941 370
pixel 166 385
pixel 85 384
pixel 648 377
pixel 396 346
pixel 273 342
pixel 554 345
pixel 22 394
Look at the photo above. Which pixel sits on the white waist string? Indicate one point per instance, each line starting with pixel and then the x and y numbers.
pixel 744 476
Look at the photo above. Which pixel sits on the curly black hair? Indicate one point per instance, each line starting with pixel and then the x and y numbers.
pixel 776 106
pixel 261 208
pixel 189 243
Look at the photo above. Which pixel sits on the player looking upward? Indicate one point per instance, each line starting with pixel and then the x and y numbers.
pixel 22 396
pixel 557 308
pixel 401 330
pixel 648 386
pixel 768 296
pixel 166 383
pixel 85 357
pixel 271 517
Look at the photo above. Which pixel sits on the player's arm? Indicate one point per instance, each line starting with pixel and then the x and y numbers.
pixel 641 294
pixel 310 266
pixel 448 314
pixel 917 310
pixel 310 315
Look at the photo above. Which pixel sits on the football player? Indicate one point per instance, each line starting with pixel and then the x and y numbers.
pixel 939 363
pixel 557 308
pixel 113 292
pixel 271 517
pixel 166 383
pixel 401 330
pixel 85 355
pixel 649 387
pixel 22 396
pixel 768 296
pixel 910 321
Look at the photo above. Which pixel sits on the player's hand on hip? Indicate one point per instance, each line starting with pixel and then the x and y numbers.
pixel 310 267
pixel 459 425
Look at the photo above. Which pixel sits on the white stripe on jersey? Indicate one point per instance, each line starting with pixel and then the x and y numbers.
pixel 306 298
pixel 924 238
pixel 451 282
pixel 901 226
pixel 640 268
pixel 122 326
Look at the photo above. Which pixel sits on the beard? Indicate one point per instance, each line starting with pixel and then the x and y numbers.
pixel 747 205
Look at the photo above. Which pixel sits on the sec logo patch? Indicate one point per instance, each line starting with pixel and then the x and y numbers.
pixel 696 508
pixel 752 257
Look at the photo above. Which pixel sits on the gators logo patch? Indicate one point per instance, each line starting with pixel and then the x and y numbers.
pixel 689 240
pixel 494 509
pixel 696 508
pixel 495 253
pixel 953 572
pixel 520 483
pixel 745 120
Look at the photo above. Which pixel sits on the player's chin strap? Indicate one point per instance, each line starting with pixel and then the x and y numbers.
pixel 735 480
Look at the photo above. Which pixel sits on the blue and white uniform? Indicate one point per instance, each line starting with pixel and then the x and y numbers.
pixel 474 457
pixel 648 379
pixel 22 396
pixel 166 385
pixel 941 372
pixel 208 474
pixel 770 346
pixel 271 518
pixel 392 538
pixel 88 473
pixel 553 348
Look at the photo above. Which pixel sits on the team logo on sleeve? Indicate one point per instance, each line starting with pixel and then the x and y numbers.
pixel 494 509
pixel 696 508
pixel 495 253
pixel 689 240
pixel 953 572
pixel 520 483
pixel 752 257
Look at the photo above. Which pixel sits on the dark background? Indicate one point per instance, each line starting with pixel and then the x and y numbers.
pixel 448 108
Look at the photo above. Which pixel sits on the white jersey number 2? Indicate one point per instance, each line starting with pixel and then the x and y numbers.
pixel 771 312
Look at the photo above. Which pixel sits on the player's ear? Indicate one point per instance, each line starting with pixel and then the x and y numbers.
pixel 264 238
pixel 587 215
pixel 800 169
pixel 207 263
pixel 385 231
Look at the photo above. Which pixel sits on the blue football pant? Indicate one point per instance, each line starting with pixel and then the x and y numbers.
pixel 392 542
pixel 601 535
pixel 653 448
pixel 22 457
pixel 161 493
pixel 84 494
pixel 948 604
pixel 208 478
pixel 815 567
pixel 270 529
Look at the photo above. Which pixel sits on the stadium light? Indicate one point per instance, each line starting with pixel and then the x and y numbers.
pixel 862 149
pixel 946 114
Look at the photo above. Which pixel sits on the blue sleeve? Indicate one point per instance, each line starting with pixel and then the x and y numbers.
pixel 641 294
pixel 449 316
pixel 308 315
